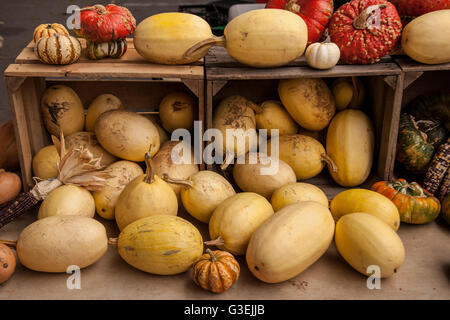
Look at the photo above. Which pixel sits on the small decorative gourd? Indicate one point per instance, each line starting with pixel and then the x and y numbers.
pixel 216 271
pixel 415 204
pixel 58 49
pixel 48 29
pixel 111 49
pixel 323 55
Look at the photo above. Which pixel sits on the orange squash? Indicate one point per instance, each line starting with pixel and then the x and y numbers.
pixel 216 271
pixel 415 204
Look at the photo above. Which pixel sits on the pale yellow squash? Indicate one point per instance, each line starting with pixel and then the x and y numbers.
pixel 146 195
pixel 178 110
pixel 290 241
pixel 62 109
pixel 266 37
pixel 164 38
pixel 99 105
pixel 297 192
pixel 426 39
pixel 363 200
pixel 122 173
pixel 202 192
pixel 350 144
pixel 55 243
pixel 163 245
pixel 262 175
pixel 68 200
pixel 365 241
pixel 235 115
pixel 273 116
pixel 177 165
pixel 45 163
pixel 163 135
pixel 126 134
pixel 304 154
pixel 309 101
pixel 235 219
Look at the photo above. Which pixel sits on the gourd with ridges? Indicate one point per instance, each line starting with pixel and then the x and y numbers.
pixel 58 49
pixel 415 204
pixel 112 49
pixel 413 149
pixel 359 41
pixel 47 30
pixel 315 13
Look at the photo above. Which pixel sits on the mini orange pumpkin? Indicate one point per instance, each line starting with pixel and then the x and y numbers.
pixel 216 271
pixel 415 204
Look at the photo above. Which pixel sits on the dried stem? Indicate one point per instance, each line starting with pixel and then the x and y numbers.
pixel 149 178
pixel 360 23
pixel 218 41
pixel 327 159
pixel 211 254
pixel 185 183
pixel 9 243
pixel 113 241
pixel 293 6
pixel 216 242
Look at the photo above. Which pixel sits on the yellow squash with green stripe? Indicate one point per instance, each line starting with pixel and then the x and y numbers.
pixel 160 244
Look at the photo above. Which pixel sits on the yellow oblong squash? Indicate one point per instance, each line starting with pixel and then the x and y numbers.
pixel 164 38
pixel 290 241
pixel 235 219
pixel 364 241
pixel 160 244
pixel 297 192
pixel 350 144
pixel 54 243
pixel 266 37
pixel 426 39
pixel 363 200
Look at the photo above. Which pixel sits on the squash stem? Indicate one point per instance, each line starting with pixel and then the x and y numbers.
pixel 216 242
pixel 255 107
pixel 185 183
pixel 217 41
pixel 228 158
pixel 211 254
pixel 360 23
pixel 292 6
pixel 9 243
pixel 327 159
pixel 113 241
pixel 149 178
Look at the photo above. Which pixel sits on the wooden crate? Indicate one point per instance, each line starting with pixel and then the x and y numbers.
pixel 420 79
pixel 139 84
pixel 384 80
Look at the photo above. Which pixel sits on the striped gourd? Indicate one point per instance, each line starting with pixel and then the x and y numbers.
pixel 438 168
pixel 111 49
pixel 58 49
pixel 48 29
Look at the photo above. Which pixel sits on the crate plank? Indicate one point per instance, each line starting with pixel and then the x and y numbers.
pixel 409 65
pixel 105 71
pixel 131 56
pixel 218 57
pixel 216 73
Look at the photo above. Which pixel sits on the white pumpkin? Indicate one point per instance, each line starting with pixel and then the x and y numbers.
pixel 323 55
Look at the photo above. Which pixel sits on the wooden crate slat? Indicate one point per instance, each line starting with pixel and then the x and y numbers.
pixel 218 57
pixel 131 56
pixel 409 65
pixel 105 70
pixel 217 73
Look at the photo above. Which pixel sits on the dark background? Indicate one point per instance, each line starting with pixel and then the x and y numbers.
pixel 18 18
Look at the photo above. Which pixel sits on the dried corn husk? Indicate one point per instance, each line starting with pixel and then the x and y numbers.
pixel 77 167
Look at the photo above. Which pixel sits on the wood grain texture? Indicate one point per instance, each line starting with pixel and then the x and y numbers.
pixel 409 65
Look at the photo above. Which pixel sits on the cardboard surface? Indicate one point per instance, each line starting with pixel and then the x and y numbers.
pixel 424 275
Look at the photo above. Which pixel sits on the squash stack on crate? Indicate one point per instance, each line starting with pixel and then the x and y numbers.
pixel 140 86
pixel 226 77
